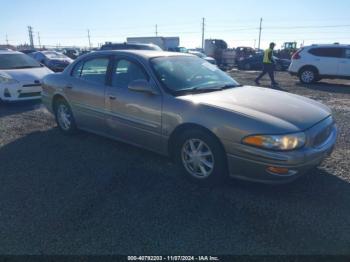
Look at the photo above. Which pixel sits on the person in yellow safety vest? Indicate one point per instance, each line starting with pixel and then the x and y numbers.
pixel 268 66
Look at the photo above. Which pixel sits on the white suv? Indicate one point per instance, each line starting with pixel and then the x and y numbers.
pixel 312 63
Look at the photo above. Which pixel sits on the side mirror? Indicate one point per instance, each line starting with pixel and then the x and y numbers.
pixel 142 86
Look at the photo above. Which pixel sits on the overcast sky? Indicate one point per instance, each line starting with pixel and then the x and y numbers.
pixel 237 22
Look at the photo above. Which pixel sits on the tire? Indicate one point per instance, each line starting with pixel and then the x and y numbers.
pixel 278 67
pixel 247 66
pixel 211 167
pixel 308 75
pixel 64 117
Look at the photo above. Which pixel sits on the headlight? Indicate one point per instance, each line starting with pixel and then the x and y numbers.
pixel 278 142
pixel 7 80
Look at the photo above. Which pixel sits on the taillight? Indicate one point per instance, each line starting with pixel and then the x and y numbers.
pixel 296 55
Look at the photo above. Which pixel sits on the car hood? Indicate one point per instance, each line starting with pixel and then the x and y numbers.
pixel 287 111
pixel 27 74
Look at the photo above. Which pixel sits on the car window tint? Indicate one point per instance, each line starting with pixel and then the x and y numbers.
pixel 327 52
pixel 95 70
pixel 76 72
pixel 125 72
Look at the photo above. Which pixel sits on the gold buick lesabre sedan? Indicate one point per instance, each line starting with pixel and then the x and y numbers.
pixel 184 107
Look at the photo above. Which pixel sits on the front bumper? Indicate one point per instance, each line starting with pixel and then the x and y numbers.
pixel 248 163
pixel 20 92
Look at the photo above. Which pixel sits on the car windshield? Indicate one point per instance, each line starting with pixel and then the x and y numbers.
pixel 189 74
pixel 53 55
pixel 17 61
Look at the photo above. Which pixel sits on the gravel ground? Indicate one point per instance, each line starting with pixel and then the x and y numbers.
pixel 90 195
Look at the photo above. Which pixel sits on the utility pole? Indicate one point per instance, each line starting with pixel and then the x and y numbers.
pixel 156 30
pixel 203 30
pixel 7 41
pixel 260 29
pixel 30 32
pixel 39 40
pixel 89 39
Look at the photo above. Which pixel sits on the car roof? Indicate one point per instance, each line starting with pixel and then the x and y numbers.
pixel 327 45
pixel 146 54
pixel 129 43
pixel 3 52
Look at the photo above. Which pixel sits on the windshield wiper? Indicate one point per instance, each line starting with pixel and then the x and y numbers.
pixel 200 89
pixel 214 88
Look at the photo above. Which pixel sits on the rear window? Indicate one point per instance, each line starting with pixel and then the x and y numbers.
pixel 113 47
pixel 130 47
pixel 327 52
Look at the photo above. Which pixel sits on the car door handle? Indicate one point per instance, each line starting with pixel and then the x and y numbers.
pixel 69 87
pixel 112 98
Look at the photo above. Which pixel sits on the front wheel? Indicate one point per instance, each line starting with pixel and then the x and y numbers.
pixel 64 117
pixel 201 157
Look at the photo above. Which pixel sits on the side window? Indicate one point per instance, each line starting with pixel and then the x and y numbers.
pixel 347 53
pixel 95 70
pixel 125 72
pixel 38 56
pixel 76 72
pixel 327 52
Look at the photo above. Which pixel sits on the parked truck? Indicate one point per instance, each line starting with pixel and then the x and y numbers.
pixel 165 43
pixel 218 49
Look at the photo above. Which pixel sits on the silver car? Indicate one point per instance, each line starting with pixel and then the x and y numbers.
pixel 184 107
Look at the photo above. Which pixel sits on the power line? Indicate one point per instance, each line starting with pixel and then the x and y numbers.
pixel 260 28
pixel 39 40
pixel 89 38
pixel 30 32
pixel 203 30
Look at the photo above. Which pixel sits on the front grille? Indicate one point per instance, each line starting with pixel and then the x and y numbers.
pixel 322 137
pixel 32 94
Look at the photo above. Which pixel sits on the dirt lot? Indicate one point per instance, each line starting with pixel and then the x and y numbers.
pixel 90 195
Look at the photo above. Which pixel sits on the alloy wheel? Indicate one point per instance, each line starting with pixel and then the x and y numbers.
pixel 308 76
pixel 64 117
pixel 197 158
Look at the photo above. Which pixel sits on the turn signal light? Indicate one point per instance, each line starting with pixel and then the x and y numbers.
pixel 278 170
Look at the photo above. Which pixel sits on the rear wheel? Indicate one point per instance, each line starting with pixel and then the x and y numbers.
pixel 278 67
pixel 308 75
pixel 201 157
pixel 64 117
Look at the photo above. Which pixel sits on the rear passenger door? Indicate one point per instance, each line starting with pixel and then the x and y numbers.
pixel 86 92
pixel 344 67
pixel 327 59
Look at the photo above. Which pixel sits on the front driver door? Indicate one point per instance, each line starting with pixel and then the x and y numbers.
pixel 132 116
